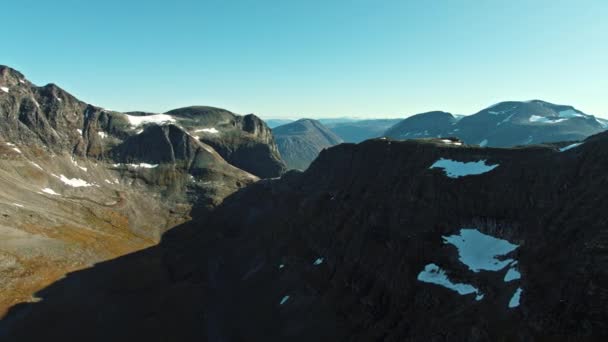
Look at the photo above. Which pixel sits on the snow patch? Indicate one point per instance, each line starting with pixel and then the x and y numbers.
pixel 211 130
pixel 456 169
pixel 479 251
pixel 318 262
pixel 514 302
pixel 102 135
pixel 50 191
pixel 512 274
pixel 570 113
pixel 542 119
pixel 284 300
pixel 79 131
pixel 483 143
pixel 36 165
pixel 142 165
pixel 76 164
pixel 74 182
pixel 569 147
pixel 281 266
pixel 433 274
pixel 4 89
pixel 18 205
pixel 155 118
pixel 450 142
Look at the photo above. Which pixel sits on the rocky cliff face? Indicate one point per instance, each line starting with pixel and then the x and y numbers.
pixel 385 240
pixel 82 184
pixel 505 124
pixel 244 141
pixel 301 141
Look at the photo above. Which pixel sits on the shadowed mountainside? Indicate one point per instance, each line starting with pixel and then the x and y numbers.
pixel 336 254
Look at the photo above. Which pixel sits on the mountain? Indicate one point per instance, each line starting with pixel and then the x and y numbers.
pixel 503 125
pixel 300 142
pixel 383 240
pixel 358 131
pixel 244 141
pixel 82 184
pixel 272 123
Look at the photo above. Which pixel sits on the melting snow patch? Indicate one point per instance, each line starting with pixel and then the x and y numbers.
pixel 74 182
pixel 156 118
pixel 569 147
pixel 50 191
pixel 450 142
pixel 284 300
pixel 435 275
pixel 456 169
pixel 479 251
pixel 142 165
pixel 318 262
pixel 570 113
pixel 542 119
pixel 514 302
pixel 211 130
pixel 4 89
pixel 76 163
pixel 512 274
pixel 36 165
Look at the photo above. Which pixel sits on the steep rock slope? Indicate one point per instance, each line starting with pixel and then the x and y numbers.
pixel 370 243
pixel 505 124
pixel 244 141
pixel 81 184
pixel 300 142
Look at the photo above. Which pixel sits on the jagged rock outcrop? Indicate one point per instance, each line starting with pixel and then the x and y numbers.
pixel 505 124
pixel 244 141
pixel 337 253
pixel 301 141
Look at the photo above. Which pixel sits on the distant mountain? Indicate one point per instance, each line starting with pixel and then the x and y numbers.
pixel 360 130
pixel 504 124
pixel 272 123
pixel 300 142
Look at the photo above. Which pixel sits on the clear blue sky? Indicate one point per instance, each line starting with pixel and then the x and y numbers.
pixel 289 58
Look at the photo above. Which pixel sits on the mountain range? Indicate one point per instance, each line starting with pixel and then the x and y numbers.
pixel 505 124
pixel 188 225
